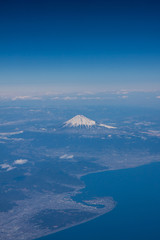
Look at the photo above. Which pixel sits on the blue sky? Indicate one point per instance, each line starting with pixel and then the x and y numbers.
pixel 80 44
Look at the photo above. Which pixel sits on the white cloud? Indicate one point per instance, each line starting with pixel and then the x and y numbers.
pixel 25 98
pixel 91 98
pixel 55 98
pixel 20 161
pixel 124 97
pixel 66 156
pixel 7 167
pixel 69 98
pixel 106 126
pixel 33 110
pixel 158 97
pixel 153 133
pixel 10 133
pixel 144 123
pixel 4 165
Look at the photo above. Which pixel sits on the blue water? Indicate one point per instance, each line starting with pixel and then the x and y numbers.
pixel 137 214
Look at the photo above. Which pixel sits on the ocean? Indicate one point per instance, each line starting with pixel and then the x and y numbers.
pixel 137 213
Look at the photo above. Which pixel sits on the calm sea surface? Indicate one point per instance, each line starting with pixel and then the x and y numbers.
pixel 137 214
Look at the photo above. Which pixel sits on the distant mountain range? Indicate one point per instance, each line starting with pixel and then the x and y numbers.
pixel 82 121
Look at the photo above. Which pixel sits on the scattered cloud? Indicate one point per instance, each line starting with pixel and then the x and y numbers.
pixel 153 133
pixel 69 98
pixel 124 96
pixel 33 110
pixel 10 133
pixel 158 97
pixel 106 126
pixel 91 98
pixel 55 98
pixel 25 98
pixel 144 123
pixel 20 161
pixel 66 156
pixel 7 167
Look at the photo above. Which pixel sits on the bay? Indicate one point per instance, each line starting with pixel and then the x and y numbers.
pixel 137 213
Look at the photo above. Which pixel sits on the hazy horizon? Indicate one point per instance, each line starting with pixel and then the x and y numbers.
pixel 71 46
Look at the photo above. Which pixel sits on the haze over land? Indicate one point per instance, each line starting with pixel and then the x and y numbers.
pixel 48 144
pixel 79 95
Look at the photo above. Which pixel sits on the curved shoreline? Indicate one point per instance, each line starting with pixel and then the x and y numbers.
pixel 74 225
pixel 77 192
pixel 85 221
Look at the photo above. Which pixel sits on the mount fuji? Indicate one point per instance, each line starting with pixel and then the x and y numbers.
pixel 82 121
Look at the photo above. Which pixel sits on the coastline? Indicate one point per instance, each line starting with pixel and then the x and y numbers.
pixel 77 191
pixel 76 224
pixel 74 194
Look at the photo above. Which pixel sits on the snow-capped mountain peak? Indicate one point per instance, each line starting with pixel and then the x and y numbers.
pixel 80 120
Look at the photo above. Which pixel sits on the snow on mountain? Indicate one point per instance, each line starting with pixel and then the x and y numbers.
pixel 106 126
pixel 80 120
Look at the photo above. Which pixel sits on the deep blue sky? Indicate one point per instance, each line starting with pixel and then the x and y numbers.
pixel 86 44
